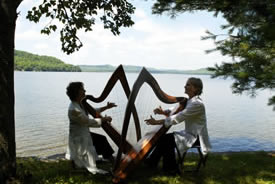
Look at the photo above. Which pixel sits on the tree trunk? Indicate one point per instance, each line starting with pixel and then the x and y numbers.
pixel 8 17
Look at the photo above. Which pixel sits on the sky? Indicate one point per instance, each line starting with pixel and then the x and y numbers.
pixel 153 41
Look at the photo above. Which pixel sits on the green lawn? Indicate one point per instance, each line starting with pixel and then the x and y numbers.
pixel 227 168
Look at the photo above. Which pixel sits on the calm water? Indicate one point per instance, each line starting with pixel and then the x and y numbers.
pixel 235 123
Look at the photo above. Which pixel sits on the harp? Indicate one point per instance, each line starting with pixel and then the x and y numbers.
pixel 137 152
pixel 133 153
pixel 118 75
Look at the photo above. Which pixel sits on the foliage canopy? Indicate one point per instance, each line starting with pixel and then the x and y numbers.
pixel 250 39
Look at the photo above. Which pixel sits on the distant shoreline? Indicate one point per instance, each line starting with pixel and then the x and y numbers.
pixel 137 69
pixel 25 61
pixel 107 71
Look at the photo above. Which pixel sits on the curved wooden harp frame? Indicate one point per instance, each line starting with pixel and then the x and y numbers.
pixel 139 151
pixel 133 153
pixel 118 75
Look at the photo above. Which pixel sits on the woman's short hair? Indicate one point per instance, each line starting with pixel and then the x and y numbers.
pixel 73 90
pixel 197 83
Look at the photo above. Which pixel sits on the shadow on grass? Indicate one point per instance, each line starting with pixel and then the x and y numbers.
pixel 242 168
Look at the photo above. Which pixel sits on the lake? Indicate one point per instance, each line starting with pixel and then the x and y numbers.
pixel 235 123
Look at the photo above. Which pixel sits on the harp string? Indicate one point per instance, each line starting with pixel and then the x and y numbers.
pixel 146 102
pixel 118 97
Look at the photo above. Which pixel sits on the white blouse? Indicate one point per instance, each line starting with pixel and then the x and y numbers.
pixel 195 125
pixel 80 147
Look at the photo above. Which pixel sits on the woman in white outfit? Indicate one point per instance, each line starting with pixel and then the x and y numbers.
pixel 81 149
pixel 194 117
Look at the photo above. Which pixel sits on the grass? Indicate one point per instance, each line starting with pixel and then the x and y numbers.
pixel 222 168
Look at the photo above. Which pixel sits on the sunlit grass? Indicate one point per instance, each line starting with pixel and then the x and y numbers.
pixel 228 168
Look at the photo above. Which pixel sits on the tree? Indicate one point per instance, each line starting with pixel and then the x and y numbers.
pixel 8 17
pixel 74 15
pixel 250 40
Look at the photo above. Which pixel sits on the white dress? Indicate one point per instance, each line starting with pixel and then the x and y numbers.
pixel 80 147
pixel 195 125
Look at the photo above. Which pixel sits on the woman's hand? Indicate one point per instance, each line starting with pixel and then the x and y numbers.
pixel 152 121
pixel 110 105
pixel 158 110
pixel 107 119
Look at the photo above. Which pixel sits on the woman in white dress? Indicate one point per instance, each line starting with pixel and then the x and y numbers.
pixel 81 149
pixel 194 117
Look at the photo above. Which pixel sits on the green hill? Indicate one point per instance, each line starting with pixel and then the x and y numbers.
pixel 25 61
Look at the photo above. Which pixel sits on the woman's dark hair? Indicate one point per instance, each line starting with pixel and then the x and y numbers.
pixel 73 90
pixel 197 83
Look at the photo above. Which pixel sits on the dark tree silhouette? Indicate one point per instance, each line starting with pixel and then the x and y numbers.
pixel 74 15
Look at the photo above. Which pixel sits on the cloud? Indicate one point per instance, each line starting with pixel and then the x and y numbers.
pixel 151 41
pixel 145 25
pixel 139 13
pixel 28 35
pixel 42 46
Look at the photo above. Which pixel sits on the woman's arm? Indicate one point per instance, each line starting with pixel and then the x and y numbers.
pixel 101 109
pixel 159 110
pixel 108 106
pixel 152 121
pixel 190 112
pixel 81 118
